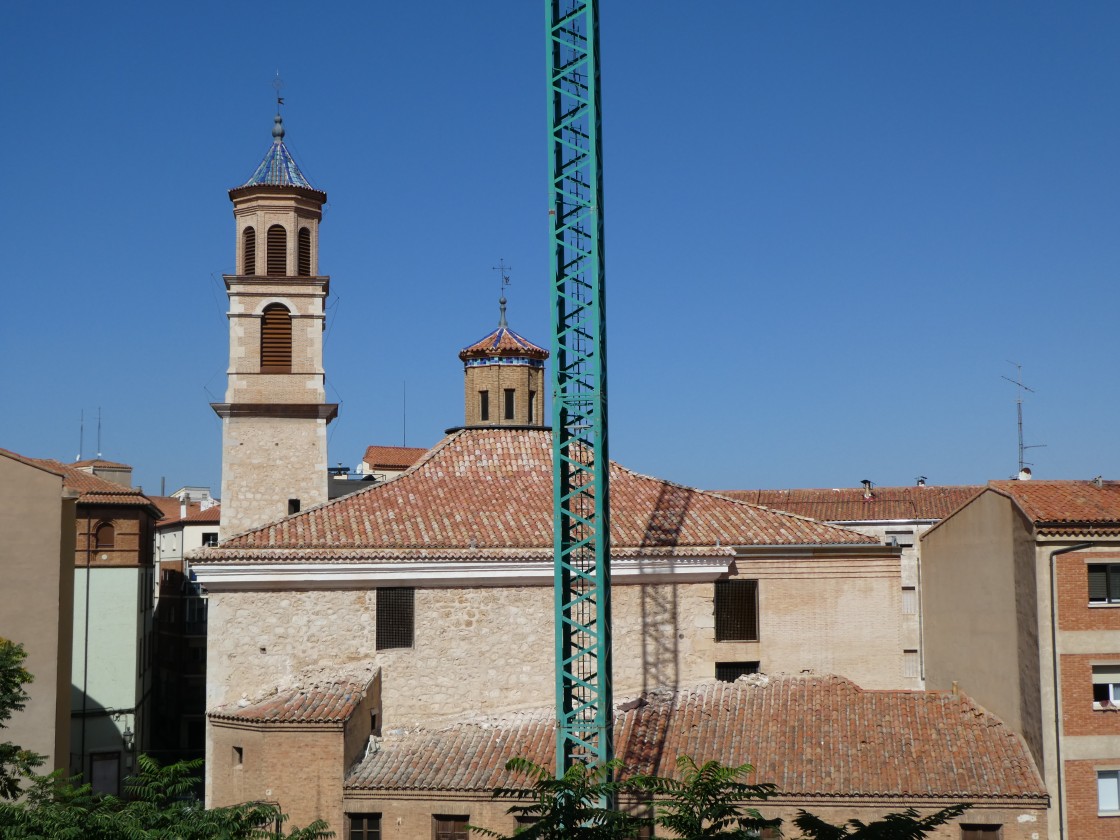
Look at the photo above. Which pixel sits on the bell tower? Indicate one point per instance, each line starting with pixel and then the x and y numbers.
pixel 275 414
pixel 504 378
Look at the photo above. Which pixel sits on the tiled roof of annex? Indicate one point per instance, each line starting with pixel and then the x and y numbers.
pixel 850 504
pixel 1064 503
pixel 393 457
pixel 94 490
pixel 330 703
pixel 491 490
pixel 809 735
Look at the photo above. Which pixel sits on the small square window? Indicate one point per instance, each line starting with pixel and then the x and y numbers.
pixel 396 610
pixel 731 671
pixel 363 827
pixel 1108 791
pixel 1104 583
pixel 450 827
pixel 210 538
pixel 1106 686
pixel 736 606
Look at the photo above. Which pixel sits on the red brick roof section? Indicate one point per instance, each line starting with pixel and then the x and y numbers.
pixel 491 490
pixel 1046 502
pixel 332 703
pixel 94 490
pixel 848 504
pixel 393 457
pixel 98 462
pixel 811 736
pixel 503 342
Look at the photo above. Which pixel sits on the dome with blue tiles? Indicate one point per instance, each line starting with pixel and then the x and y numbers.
pixel 279 168
pixel 503 346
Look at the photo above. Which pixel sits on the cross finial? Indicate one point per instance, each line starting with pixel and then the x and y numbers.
pixel 503 271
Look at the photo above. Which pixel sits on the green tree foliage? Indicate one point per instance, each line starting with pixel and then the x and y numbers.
pixel 15 762
pixel 160 805
pixel 708 802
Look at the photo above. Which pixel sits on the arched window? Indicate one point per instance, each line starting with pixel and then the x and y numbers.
pixel 105 536
pixel 276 339
pixel 249 251
pixel 277 251
pixel 304 260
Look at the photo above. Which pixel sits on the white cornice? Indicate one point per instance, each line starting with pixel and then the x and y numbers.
pixel 223 577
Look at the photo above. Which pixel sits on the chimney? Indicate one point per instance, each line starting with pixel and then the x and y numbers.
pixel 1024 474
pixel 867 485
pixel 1098 482
pixel 921 481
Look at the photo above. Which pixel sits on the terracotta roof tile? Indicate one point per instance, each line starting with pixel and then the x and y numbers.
pixel 811 736
pixel 100 462
pixel 393 457
pixel 94 490
pixel 491 490
pixel 849 504
pixel 503 342
pixel 31 462
pixel 1064 502
pixel 330 703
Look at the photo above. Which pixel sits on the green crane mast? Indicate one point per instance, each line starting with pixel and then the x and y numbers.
pixel 581 497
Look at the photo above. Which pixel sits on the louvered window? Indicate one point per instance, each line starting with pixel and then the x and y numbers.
pixel 105 536
pixel 249 251
pixel 276 340
pixel 304 260
pixel 736 610
pixel 396 610
pixel 277 251
pixel 1104 583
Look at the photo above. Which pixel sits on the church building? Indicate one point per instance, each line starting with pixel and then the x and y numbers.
pixel 350 639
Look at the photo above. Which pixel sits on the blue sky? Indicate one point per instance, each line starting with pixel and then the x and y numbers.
pixel 829 225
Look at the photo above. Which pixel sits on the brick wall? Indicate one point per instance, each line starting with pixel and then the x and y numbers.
pixel 132 541
pixel 495 379
pixel 1074 612
pixel 1081 802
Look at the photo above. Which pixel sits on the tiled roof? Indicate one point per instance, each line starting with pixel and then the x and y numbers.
pixel 171 507
pixel 503 342
pixel 393 457
pixel 94 490
pixel 1064 502
pixel 810 736
pixel 195 514
pixel 212 514
pixel 331 703
pixel 278 168
pixel 491 489
pixel 99 462
pixel 849 504
pixel 31 462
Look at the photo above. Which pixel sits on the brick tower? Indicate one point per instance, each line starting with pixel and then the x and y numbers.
pixel 504 376
pixel 274 419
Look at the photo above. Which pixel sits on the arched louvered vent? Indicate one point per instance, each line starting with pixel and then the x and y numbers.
pixel 105 536
pixel 304 252
pixel 277 251
pixel 276 340
pixel 249 251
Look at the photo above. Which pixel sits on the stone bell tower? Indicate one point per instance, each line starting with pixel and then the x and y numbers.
pixel 275 414
pixel 504 376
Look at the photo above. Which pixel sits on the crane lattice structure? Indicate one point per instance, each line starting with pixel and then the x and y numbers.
pixel 581 496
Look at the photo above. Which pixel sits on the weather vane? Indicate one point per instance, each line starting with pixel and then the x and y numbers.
pixel 277 84
pixel 503 272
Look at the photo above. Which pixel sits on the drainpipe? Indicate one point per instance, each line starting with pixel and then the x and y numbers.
pixel 85 652
pixel 1057 693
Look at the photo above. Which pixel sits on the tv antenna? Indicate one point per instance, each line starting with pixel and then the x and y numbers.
pixel 1018 383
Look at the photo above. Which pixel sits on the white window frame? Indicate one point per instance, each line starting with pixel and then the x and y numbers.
pixel 1108 675
pixel 1108 784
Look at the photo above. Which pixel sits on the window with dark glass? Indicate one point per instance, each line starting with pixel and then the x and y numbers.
pixel 303 252
pixel 483 405
pixel 210 538
pixel 249 251
pixel 736 605
pixel 363 826
pixel 276 253
pixel 532 407
pixel 446 827
pixel 509 396
pixel 396 610
pixel 1104 583
pixel 981 832
pixel 276 339
pixel 731 671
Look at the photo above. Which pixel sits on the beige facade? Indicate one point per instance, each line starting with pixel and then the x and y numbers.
pixel 524 384
pixel 37 604
pixel 1010 619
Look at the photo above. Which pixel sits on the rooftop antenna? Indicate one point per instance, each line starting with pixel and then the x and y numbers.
pixel 99 431
pixel 503 273
pixel 404 412
pixel 1018 383
pixel 81 434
